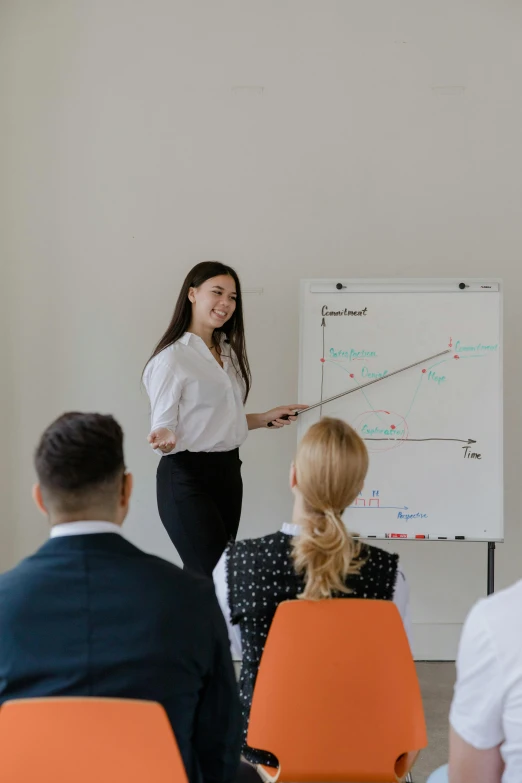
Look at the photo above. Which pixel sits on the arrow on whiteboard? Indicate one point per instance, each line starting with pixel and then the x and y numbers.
pixel 421 440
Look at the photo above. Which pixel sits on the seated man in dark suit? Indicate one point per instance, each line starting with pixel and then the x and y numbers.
pixel 89 614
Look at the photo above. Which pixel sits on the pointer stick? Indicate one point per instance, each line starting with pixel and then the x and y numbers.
pixel 364 385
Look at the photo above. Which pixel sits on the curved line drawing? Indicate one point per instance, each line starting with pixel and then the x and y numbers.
pixel 392 443
pixel 362 391
pixel 414 396
pixel 437 363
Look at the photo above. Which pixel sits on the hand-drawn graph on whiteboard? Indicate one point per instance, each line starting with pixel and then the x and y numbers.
pixel 434 432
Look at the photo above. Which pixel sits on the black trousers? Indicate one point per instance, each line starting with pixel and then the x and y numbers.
pixel 247 773
pixel 199 502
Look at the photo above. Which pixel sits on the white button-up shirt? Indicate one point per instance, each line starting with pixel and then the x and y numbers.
pixel 487 703
pixel 201 402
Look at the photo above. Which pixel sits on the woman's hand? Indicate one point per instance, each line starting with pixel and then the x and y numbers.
pixel 162 439
pixel 274 416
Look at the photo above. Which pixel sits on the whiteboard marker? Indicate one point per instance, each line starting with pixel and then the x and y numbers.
pixel 460 538
pixel 421 535
pixel 396 535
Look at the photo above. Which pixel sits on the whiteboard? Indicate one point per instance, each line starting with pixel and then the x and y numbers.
pixel 433 432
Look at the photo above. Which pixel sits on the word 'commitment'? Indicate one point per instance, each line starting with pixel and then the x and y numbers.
pixel 326 311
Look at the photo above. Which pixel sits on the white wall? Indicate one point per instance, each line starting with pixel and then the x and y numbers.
pixel 130 155
pixel 7 384
pixel 7 523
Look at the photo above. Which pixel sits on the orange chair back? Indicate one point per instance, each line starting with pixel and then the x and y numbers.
pixel 83 740
pixel 337 696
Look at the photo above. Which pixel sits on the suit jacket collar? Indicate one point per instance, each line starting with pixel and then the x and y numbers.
pixel 94 542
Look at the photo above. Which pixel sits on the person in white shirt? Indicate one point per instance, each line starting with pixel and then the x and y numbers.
pixel 315 557
pixel 486 712
pixel 198 379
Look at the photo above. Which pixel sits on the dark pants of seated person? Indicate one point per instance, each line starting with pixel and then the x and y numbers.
pixel 247 773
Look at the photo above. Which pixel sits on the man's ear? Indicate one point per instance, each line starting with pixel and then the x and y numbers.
pixel 38 500
pixel 126 488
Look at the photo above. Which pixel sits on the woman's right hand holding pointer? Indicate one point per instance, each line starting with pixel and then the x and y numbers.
pixel 162 439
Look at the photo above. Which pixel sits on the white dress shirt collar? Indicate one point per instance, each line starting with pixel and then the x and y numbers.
pixel 185 337
pixel 188 337
pixel 84 528
pixel 290 529
pixel 202 348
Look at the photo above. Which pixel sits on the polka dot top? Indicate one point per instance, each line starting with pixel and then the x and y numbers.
pixel 260 574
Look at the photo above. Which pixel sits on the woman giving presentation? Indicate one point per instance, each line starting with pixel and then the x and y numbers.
pixel 198 380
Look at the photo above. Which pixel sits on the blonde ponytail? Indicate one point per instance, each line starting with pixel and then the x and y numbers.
pixel 331 464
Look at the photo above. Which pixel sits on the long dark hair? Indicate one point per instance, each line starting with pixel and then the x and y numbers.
pixel 233 329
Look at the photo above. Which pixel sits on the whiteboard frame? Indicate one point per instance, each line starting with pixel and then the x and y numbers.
pixel 415 286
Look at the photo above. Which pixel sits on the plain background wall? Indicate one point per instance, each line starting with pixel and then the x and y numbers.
pixel 374 138
pixel 7 524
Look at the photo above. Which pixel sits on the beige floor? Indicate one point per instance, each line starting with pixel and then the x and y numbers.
pixel 436 681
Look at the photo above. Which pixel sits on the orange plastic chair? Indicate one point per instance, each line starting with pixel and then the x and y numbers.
pixel 337 696
pixel 87 740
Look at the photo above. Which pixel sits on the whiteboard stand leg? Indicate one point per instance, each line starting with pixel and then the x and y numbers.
pixel 491 567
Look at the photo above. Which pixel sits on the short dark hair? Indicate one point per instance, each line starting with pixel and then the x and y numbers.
pixel 79 461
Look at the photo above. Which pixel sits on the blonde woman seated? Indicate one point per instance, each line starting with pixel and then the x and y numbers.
pixel 315 557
